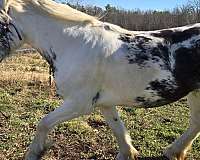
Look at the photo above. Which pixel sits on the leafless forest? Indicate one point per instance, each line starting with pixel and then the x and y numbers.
pixel 137 19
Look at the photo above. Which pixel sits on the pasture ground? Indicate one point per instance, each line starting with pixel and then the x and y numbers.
pixel 25 97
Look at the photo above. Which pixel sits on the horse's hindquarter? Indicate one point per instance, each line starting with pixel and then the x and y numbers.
pixel 140 73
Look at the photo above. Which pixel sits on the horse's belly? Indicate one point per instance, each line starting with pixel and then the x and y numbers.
pixel 146 98
pixel 148 87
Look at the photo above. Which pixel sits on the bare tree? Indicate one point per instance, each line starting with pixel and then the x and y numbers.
pixel 143 20
pixel 74 2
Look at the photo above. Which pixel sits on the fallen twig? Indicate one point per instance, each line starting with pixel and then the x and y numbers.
pixel 5 116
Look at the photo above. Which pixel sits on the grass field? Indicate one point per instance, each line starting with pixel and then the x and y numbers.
pixel 25 97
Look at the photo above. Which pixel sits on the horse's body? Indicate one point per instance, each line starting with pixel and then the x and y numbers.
pixel 98 64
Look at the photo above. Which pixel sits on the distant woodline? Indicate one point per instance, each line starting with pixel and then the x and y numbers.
pixel 137 19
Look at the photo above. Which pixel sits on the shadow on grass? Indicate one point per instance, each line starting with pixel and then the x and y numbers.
pixel 153 158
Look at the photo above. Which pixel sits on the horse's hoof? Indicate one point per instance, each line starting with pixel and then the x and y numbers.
pixel 36 154
pixel 48 145
pixel 32 156
pixel 133 155
pixel 171 155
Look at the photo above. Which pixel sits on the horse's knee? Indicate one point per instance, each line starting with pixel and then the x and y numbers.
pixel 43 125
pixel 194 104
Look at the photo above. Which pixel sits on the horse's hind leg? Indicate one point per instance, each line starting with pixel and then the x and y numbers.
pixel 180 147
pixel 127 151
pixel 67 111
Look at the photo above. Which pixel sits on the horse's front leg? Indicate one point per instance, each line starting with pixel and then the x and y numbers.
pixel 179 149
pixel 68 111
pixel 127 151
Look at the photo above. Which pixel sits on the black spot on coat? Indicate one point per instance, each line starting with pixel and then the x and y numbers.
pixel 125 38
pixel 5 39
pixel 140 99
pixel 187 68
pixel 95 98
pixel 50 57
pixel 53 54
pixel 141 51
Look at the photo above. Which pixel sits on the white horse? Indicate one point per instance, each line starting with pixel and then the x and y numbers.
pixel 101 65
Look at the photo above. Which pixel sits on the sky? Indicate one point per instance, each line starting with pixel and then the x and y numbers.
pixel 141 4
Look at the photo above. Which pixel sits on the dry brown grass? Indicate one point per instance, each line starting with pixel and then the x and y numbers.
pixel 24 67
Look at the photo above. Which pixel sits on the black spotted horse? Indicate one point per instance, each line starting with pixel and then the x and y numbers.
pixel 99 64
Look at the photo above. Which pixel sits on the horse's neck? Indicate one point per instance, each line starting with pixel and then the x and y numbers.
pixel 43 32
